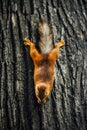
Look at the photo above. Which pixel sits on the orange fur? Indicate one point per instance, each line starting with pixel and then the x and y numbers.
pixel 43 70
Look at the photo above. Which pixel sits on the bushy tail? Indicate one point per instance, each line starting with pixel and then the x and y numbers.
pixel 45 42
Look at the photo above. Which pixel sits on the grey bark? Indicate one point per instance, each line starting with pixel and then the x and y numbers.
pixel 66 108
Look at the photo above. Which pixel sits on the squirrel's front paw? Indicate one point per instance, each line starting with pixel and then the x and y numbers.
pixel 38 100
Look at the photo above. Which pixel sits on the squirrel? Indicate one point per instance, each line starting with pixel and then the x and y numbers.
pixel 44 62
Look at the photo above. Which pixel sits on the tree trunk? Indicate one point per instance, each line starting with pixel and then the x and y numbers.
pixel 66 108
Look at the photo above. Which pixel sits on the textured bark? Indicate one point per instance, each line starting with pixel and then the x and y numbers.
pixel 66 108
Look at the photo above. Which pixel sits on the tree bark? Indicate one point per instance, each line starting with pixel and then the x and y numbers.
pixel 66 108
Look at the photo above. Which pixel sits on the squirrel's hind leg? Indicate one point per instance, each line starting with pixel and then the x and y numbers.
pixel 27 42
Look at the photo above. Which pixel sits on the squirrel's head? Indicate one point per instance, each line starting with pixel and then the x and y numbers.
pixel 42 91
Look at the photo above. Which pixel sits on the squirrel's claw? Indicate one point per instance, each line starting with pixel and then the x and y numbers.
pixel 62 42
pixel 27 41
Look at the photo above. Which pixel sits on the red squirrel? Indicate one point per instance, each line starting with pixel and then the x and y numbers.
pixel 44 62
